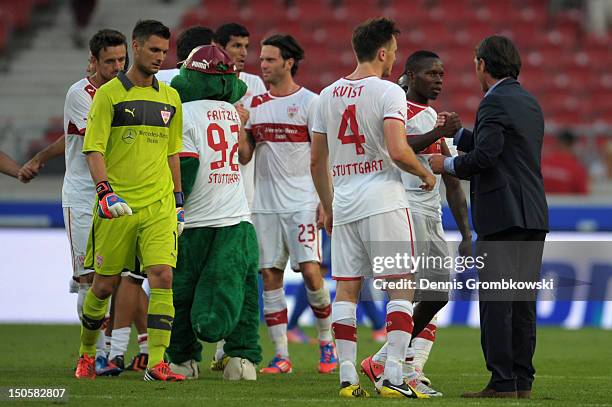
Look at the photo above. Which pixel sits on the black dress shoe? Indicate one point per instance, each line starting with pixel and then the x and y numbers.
pixel 490 394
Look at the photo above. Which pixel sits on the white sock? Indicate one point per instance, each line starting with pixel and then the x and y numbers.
pixel 143 343
pixel 399 330
pixel 423 342
pixel 100 347
pixel 119 342
pixel 408 368
pixel 381 355
pixel 320 303
pixel 275 312
pixel 83 287
pixel 219 353
pixel 344 317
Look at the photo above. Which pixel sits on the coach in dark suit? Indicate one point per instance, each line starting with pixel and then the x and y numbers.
pixel 509 212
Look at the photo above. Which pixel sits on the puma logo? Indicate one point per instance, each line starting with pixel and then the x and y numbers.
pixel 166 322
pixel 126 110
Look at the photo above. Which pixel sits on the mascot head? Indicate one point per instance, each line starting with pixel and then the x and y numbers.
pixel 209 74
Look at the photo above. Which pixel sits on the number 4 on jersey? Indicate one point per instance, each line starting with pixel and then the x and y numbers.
pixel 349 121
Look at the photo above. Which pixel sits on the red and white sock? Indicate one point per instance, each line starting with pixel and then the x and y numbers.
pixel 275 312
pixel 143 343
pixel 422 343
pixel 399 331
pixel 321 307
pixel 344 325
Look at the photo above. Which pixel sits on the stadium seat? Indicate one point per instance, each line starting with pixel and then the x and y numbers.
pixel 560 66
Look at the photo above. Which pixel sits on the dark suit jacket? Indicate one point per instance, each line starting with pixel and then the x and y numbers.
pixel 502 162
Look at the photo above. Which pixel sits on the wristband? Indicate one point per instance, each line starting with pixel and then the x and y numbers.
pixel 103 188
pixel 179 198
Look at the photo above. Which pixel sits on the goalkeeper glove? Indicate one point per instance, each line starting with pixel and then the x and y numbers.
pixel 110 205
pixel 180 212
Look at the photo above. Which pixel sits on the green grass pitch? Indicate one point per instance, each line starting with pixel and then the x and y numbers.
pixel 574 368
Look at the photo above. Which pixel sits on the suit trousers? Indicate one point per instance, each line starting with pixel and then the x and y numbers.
pixel 508 317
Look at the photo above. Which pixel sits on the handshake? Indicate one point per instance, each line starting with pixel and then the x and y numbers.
pixel 447 124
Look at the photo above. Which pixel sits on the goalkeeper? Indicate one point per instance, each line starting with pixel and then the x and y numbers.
pixel 215 281
pixel 132 142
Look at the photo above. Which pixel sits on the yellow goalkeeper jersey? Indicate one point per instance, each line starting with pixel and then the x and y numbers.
pixel 136 129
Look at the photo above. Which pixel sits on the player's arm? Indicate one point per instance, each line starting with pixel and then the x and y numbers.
pixel 319 169
pixel 449 125
pixel 175 168
pixel 175 146
pixel 8 166
pixel 97 167
pixel 245 152
pixel 246 147
pixel 403 156
pixel 458 206
pixel 32 167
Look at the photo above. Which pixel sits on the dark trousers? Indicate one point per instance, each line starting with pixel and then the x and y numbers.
pixel 508 318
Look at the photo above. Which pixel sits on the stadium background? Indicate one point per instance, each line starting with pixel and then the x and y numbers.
pixel 566 55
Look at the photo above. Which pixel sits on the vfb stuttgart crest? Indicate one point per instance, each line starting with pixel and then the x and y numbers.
pixel 165 115
pixel 292 111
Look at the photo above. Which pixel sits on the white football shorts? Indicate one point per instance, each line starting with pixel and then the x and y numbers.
pixel 433 250
pixel 77 222
pixel 379 246
pixel 284 236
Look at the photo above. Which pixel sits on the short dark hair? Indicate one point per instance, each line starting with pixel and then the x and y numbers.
pixel 416 60
pixel 289 48
pixel 106 38
pixel 191 38
pixel 372 34
pixel 224 32
pixel 146 28
pixel 500 55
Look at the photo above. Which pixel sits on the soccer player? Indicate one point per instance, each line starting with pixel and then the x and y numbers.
pixel 359 127
pixel 132 141
pixel 8 166
pixel 285 202
pixel 108 55
pixel 215 283
pixel 187 40
pixel 234 39
pixel 108 50
pixel 422 81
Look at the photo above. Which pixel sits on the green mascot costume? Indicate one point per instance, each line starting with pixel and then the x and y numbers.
pixel 215 281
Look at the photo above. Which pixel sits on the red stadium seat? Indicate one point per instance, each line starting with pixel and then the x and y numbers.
pixel 569 73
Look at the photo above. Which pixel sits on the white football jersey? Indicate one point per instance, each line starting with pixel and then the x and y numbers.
pixel 351 113
pixel 210 133
pixel 166 75
pixel 280 127
pixel 255 86
pixel 78 189
pixel 421 120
